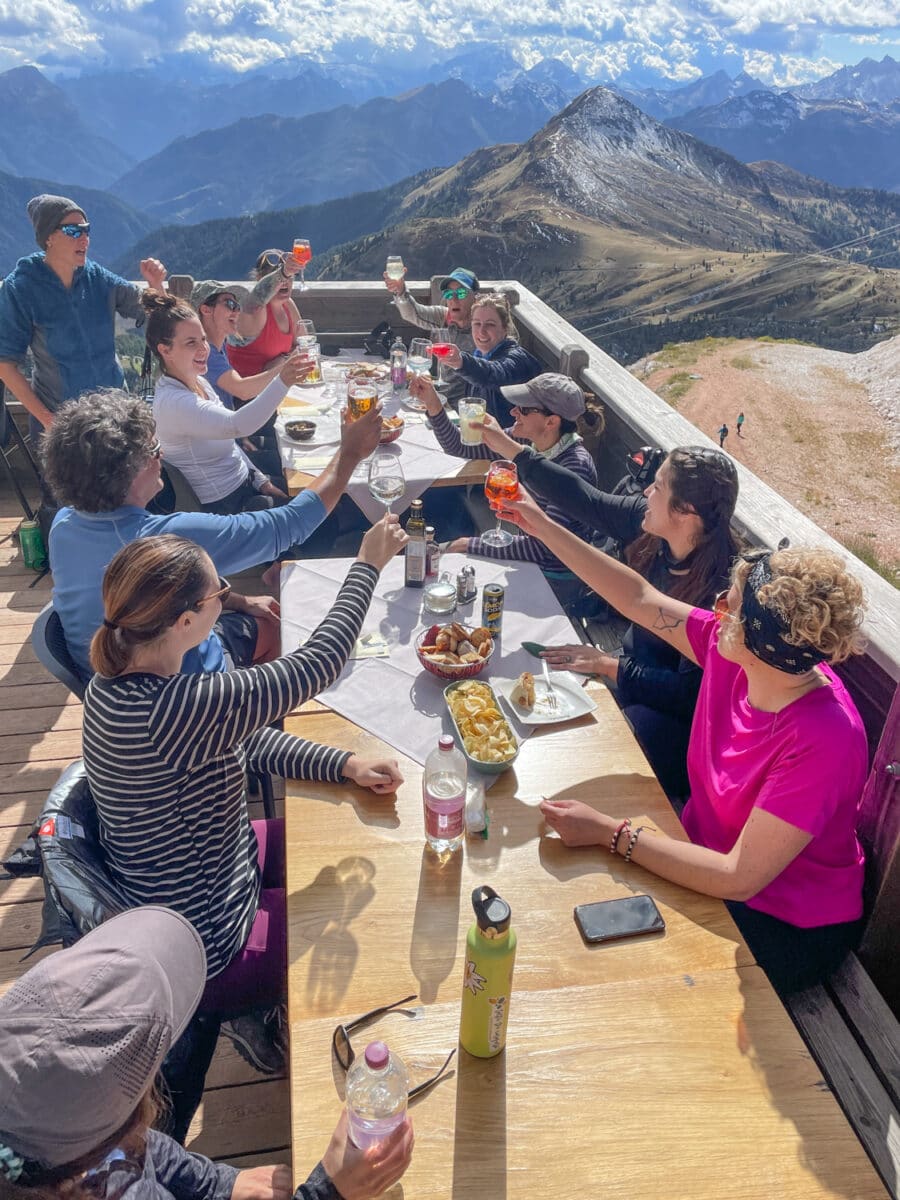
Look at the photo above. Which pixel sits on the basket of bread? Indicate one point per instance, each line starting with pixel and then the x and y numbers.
pixel 391 428
pixel 486 738
pixel 454 651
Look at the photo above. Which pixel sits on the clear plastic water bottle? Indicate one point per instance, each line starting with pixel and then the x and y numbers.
pixel 444 796
pixel 398 365
pixel 377 1094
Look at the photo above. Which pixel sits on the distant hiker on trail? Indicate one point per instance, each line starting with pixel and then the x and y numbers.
pixel 740 424
pixel 723 434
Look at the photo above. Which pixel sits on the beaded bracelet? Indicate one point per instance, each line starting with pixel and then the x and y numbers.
pixel 614 843
pixel 632 842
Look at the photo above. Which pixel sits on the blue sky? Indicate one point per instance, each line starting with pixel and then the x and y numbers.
pixel 781 42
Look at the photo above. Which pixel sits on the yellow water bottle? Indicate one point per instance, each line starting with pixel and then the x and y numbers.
pixel 487 981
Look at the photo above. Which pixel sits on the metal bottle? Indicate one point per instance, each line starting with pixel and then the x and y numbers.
pixel 487 981
pixel 34 553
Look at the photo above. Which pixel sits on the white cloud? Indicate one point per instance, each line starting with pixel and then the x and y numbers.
pixel 781 41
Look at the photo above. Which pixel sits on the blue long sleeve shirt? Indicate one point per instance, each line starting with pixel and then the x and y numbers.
pixel 82 544
pixel 70 331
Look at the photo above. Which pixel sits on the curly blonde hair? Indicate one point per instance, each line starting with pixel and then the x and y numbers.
pixel 820 602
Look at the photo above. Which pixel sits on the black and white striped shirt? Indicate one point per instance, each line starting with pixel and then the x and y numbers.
pixel 165 759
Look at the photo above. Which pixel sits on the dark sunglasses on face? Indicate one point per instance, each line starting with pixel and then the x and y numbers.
pixel 76 231
pixel 459 293
pixel 230 303
pixel 528 411
pixel 345 1055
pixel 155 450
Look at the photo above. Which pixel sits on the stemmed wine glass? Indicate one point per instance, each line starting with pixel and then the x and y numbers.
pixel 502 483
pixel 387 482
pixel 394 268
pixel 306 334
pixel 302 253
pixel 440 348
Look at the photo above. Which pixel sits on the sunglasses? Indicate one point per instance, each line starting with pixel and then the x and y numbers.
pixel 273 258
pixel 720 607
pixel 345 1055
pixel 526 412
pixel 222 594
pixel 459 293
pixel 230 303
pixel 76 231
pixel 155 450
pixel 117 1163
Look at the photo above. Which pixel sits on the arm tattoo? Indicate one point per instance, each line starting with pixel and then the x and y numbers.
pixel 666 622
pixel 264 290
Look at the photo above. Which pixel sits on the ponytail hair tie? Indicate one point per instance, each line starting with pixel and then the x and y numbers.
pixel 11 1164
pixel 110 624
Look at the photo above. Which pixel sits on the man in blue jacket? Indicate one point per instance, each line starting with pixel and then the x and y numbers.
pixel 102 460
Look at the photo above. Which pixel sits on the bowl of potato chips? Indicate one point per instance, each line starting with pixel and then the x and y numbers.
pixel 484 733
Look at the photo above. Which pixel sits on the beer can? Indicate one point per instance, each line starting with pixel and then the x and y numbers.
pixel 492 596
pixel 34 553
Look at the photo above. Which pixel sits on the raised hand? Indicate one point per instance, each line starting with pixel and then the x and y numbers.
pixel 382 542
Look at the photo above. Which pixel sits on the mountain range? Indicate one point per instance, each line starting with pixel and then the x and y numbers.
pixel 268 162
pixel 847 142
pixel 629 227
pixel 116 226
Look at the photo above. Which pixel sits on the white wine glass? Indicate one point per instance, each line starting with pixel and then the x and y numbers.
pixel 387 482
pixel 418 362
pixel 306 334
pixel 394 268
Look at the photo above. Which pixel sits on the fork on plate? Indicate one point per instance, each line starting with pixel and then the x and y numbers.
pixel 552 698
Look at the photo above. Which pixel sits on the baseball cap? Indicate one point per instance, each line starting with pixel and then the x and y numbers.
pixel 467 278
pixel 208 289
pixel 83 1033
pixel 556 393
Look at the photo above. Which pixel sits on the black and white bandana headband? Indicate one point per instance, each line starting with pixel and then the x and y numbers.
pixel 764 630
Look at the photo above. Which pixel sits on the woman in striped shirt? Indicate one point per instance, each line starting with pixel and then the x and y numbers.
pixel 166 753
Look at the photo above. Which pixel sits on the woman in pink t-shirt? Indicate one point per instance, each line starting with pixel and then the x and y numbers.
pixel 777 757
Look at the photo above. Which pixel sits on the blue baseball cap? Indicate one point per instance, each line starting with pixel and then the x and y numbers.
pixel 468 279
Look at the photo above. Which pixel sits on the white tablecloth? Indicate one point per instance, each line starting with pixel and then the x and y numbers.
pixel 421 457
pixel 395 698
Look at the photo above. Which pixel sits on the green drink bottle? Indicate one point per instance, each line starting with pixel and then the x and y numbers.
pixel 487 982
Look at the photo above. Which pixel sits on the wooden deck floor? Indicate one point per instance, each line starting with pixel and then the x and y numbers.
pixel 244 1117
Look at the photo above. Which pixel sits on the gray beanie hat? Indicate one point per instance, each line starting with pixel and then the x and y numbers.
pixel 46 212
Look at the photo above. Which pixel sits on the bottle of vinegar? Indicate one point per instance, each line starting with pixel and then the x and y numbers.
pixel 444 796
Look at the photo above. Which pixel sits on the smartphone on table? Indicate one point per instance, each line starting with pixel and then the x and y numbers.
pixel 610 920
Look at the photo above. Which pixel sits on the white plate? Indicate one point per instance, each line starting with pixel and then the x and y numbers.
pixel 571 697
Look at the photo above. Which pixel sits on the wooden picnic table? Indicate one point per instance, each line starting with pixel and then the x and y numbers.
pixel 663 1066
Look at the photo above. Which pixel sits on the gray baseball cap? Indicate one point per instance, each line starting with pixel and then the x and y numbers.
pixel 207 289
pixel 83 1033
pixel 556 393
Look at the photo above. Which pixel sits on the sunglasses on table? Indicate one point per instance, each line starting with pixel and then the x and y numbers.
pixel 222 594
pixel 459 293
pixel 76 231
pixel 345 1055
